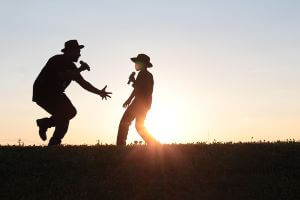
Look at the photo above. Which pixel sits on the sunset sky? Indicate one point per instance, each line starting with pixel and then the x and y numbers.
pixel 223 70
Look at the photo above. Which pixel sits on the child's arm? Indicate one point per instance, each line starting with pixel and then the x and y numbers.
pixel 128 101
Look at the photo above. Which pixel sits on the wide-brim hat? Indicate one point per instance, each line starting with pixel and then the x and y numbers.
pixel 71 45
pixel 144 59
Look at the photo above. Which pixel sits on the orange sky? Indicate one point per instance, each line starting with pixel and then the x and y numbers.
pixel 225 71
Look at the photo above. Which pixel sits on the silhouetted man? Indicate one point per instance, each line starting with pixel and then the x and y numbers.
pixel 139 102
pixel 49 87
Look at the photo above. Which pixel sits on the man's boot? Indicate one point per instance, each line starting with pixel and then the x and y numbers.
pixel 43 125
pixel 54 142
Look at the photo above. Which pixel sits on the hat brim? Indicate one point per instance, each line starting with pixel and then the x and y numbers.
pixel 148 64
pixel 78 47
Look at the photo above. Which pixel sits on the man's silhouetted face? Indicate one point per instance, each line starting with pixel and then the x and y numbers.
pixel 73 54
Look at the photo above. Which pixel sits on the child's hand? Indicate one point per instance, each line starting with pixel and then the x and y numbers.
pixel 126 104
pixel 131 78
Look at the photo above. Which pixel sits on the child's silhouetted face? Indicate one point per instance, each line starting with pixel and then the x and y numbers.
pixel 139 66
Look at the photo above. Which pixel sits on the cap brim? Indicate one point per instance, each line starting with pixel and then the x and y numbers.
pixel 133 59
pixel 149 64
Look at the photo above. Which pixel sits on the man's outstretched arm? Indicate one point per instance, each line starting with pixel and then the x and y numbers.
pixel 89 87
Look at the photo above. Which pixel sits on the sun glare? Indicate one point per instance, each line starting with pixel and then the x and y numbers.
pixel 163 124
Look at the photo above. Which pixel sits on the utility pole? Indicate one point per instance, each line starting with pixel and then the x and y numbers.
pixel 19 142
pixel 98 142
pixel 208 136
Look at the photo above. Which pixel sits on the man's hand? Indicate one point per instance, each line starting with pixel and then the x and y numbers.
pixel 127 103
pixel 104 94
pixel 84 66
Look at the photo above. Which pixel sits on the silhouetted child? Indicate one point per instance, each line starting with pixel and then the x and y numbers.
pixel 139 102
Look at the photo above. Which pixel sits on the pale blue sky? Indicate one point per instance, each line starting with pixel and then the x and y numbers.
pixel 228 66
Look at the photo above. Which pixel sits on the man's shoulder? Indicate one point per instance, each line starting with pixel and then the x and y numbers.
pixel 57 58
pixel 56 62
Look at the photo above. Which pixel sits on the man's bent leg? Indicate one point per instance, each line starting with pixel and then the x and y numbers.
pixel 45 123
pixel 125 122
pixel 60 107
pixel 62 110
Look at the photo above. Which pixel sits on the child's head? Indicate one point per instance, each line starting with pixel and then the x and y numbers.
pixel 142 61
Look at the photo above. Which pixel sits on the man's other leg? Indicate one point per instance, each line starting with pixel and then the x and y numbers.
pixel 61 129
pixel 64 112
pixel 125 122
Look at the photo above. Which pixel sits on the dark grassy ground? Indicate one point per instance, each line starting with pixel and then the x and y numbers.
pixel 215 171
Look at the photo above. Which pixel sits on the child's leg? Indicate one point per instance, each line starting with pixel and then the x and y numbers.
pixel 125 122
pixel 142 130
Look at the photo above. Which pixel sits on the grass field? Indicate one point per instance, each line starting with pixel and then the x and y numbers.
pixel 188 171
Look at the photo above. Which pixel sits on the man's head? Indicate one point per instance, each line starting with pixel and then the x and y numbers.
pixel 142 61
pixel 72 50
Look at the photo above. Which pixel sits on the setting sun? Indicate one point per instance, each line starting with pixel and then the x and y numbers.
pixel 164 124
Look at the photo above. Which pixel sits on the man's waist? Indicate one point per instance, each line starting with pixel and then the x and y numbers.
pixel 37 96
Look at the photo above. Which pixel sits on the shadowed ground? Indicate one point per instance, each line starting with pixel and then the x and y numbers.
pixel 199 171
